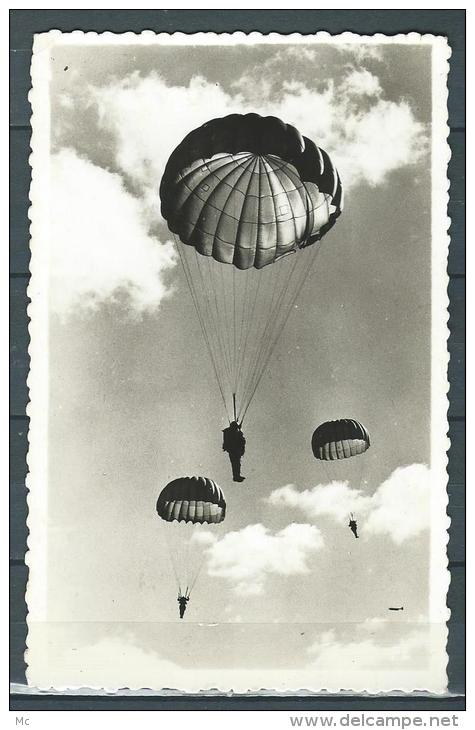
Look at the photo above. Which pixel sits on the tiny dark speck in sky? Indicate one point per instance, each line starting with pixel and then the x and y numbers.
pixel 65 68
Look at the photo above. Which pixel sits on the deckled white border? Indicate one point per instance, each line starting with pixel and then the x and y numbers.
pixel 237 681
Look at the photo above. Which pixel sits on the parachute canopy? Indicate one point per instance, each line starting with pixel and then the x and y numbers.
pixel 192 499
pixel 247 190
pixel 339 439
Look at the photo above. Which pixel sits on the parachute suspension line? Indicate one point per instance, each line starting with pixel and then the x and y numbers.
pixel 256 327
pixel 260 328
pixel 188 278
pixel 197 574
pixel 303 278
pixel 215 317
pixel 187 560
pixel 213 328
pixel 234 406
pixel 360 470
pixel 272 332
pixel 174 559
pixel 329 476
pixel 265 326
pixel 276 286
pixel 175 571
pixel 248 327
pixel 276 306
pixel 227 327
pixel 234 336
pixel 241 327
pixel 244 326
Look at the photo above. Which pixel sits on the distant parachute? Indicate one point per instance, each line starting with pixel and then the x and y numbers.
pixel 340 439
pixel 353 525
pixel 242 193
pixel 334 443
pixel 192 499
pixel 184 505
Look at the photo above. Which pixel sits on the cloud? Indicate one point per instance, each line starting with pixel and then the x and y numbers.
pixel 62 657
pixel 246 557
pixel 367 653
pixel 401 505
pixel 101 247
pixel 399 508
pixel 361 51
pixel 334 500
pixel 373 624
pixel 361 82
pixel 368 135
pixel 203 538
pixel 148 119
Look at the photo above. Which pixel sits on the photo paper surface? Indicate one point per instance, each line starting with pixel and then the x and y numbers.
pixel 238 386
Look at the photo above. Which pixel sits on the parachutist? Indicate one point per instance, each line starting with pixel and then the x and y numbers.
pixel 353 526
pixel 182 600
pixel 193 501
pixel 235 444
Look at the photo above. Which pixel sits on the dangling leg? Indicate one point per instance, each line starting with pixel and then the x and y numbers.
pixel 236 466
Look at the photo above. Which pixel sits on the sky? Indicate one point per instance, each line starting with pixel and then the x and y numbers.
pixel 133 401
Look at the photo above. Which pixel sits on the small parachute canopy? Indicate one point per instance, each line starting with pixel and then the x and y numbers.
pixel 192 499
pixel 339 439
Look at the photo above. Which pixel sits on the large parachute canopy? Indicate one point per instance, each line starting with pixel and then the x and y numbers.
pixel 242 193
pixel 339 439
pixel 248 190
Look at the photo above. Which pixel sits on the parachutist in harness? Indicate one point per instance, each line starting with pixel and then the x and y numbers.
pixel 235 444
pixel 352 525
pixel 182 601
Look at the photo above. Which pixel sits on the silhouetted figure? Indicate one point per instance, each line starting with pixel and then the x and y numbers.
pixel 235 444
pixel 353 526
pixel 182 601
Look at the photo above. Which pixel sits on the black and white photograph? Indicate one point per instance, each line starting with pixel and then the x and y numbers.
pixel 238 386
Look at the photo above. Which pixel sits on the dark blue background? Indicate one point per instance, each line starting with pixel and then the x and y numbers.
pixel 23 24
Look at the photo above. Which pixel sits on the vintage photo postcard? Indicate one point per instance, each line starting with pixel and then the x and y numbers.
pixel 237 452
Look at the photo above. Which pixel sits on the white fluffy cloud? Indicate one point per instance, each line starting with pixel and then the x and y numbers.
pixel 361 82
pixel 334 500
pixel 400 507
pixel 368 136
pixel 100 244
pixel 246 557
